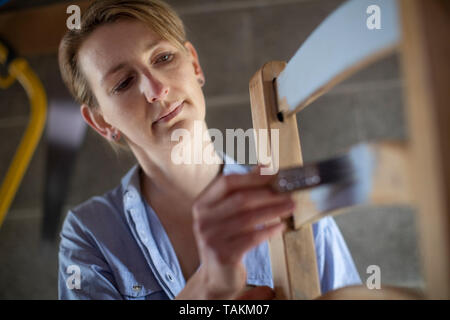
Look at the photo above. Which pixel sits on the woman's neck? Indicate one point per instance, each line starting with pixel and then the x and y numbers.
pixel 178 183
pixel 184 181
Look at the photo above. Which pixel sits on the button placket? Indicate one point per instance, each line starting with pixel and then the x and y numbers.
pixel 138 215
pixel 139 225
pixel 169 276
pixel 142 235
pixel 130 196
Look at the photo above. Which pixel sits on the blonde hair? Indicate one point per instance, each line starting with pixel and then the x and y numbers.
pixel 157 15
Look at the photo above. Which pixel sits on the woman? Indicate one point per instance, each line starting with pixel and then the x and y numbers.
pixel 169 230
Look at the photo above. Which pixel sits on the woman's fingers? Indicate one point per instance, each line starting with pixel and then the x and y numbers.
pixel 230 250
pixel 240 244
pixel 248 199
pixel 225 185
pixel 231 217
pixel 247 221
pixel 229 221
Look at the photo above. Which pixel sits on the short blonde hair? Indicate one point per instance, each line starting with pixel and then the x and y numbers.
pixel 157 15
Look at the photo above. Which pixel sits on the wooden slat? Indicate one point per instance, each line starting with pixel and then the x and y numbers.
pixel 293 257
pixel 426 66
pixel 287 110
pixel 388 183
pixel 37 30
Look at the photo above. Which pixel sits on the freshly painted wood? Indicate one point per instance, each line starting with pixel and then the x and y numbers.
pixel 341 45
pixel 381 176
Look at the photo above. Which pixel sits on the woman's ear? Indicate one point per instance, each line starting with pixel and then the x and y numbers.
pixel 196 62
pixel 97 122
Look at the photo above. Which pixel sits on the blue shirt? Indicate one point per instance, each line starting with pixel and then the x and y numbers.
pixel 114 247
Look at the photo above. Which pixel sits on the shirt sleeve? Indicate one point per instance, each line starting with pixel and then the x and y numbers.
pixel 335 263
pixel 83 272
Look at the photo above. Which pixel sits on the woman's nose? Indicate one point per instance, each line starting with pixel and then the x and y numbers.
pixel 154 89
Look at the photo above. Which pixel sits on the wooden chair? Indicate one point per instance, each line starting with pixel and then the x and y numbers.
pixel 416 172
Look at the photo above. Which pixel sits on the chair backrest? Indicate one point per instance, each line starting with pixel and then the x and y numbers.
pixel 416 172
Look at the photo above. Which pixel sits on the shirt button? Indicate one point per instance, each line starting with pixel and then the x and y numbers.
pixel 169 276
pixel 129 197
pixel 137 288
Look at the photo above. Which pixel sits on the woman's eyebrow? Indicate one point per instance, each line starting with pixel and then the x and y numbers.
pixel 122 65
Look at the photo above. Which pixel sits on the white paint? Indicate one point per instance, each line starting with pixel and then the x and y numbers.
pixel 341 41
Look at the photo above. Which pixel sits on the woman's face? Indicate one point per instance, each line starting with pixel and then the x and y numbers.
pixel 145 86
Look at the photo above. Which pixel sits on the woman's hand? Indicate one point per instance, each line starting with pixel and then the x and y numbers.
pixel 258 293
pixel 234 214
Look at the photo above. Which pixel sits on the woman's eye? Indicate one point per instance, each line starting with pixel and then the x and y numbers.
pixel 164 58
pixel 123 85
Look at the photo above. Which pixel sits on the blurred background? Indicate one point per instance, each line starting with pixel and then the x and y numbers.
pixel 234 38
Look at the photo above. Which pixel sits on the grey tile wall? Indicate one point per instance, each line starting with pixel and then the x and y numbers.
pixel 29 267
pixel 386 237
pixel 233 38
pixel 223 41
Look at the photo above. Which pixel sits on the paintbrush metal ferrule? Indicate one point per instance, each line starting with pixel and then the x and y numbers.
pixel 337 170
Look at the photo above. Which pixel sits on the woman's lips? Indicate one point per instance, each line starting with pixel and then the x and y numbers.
pixel 171 115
